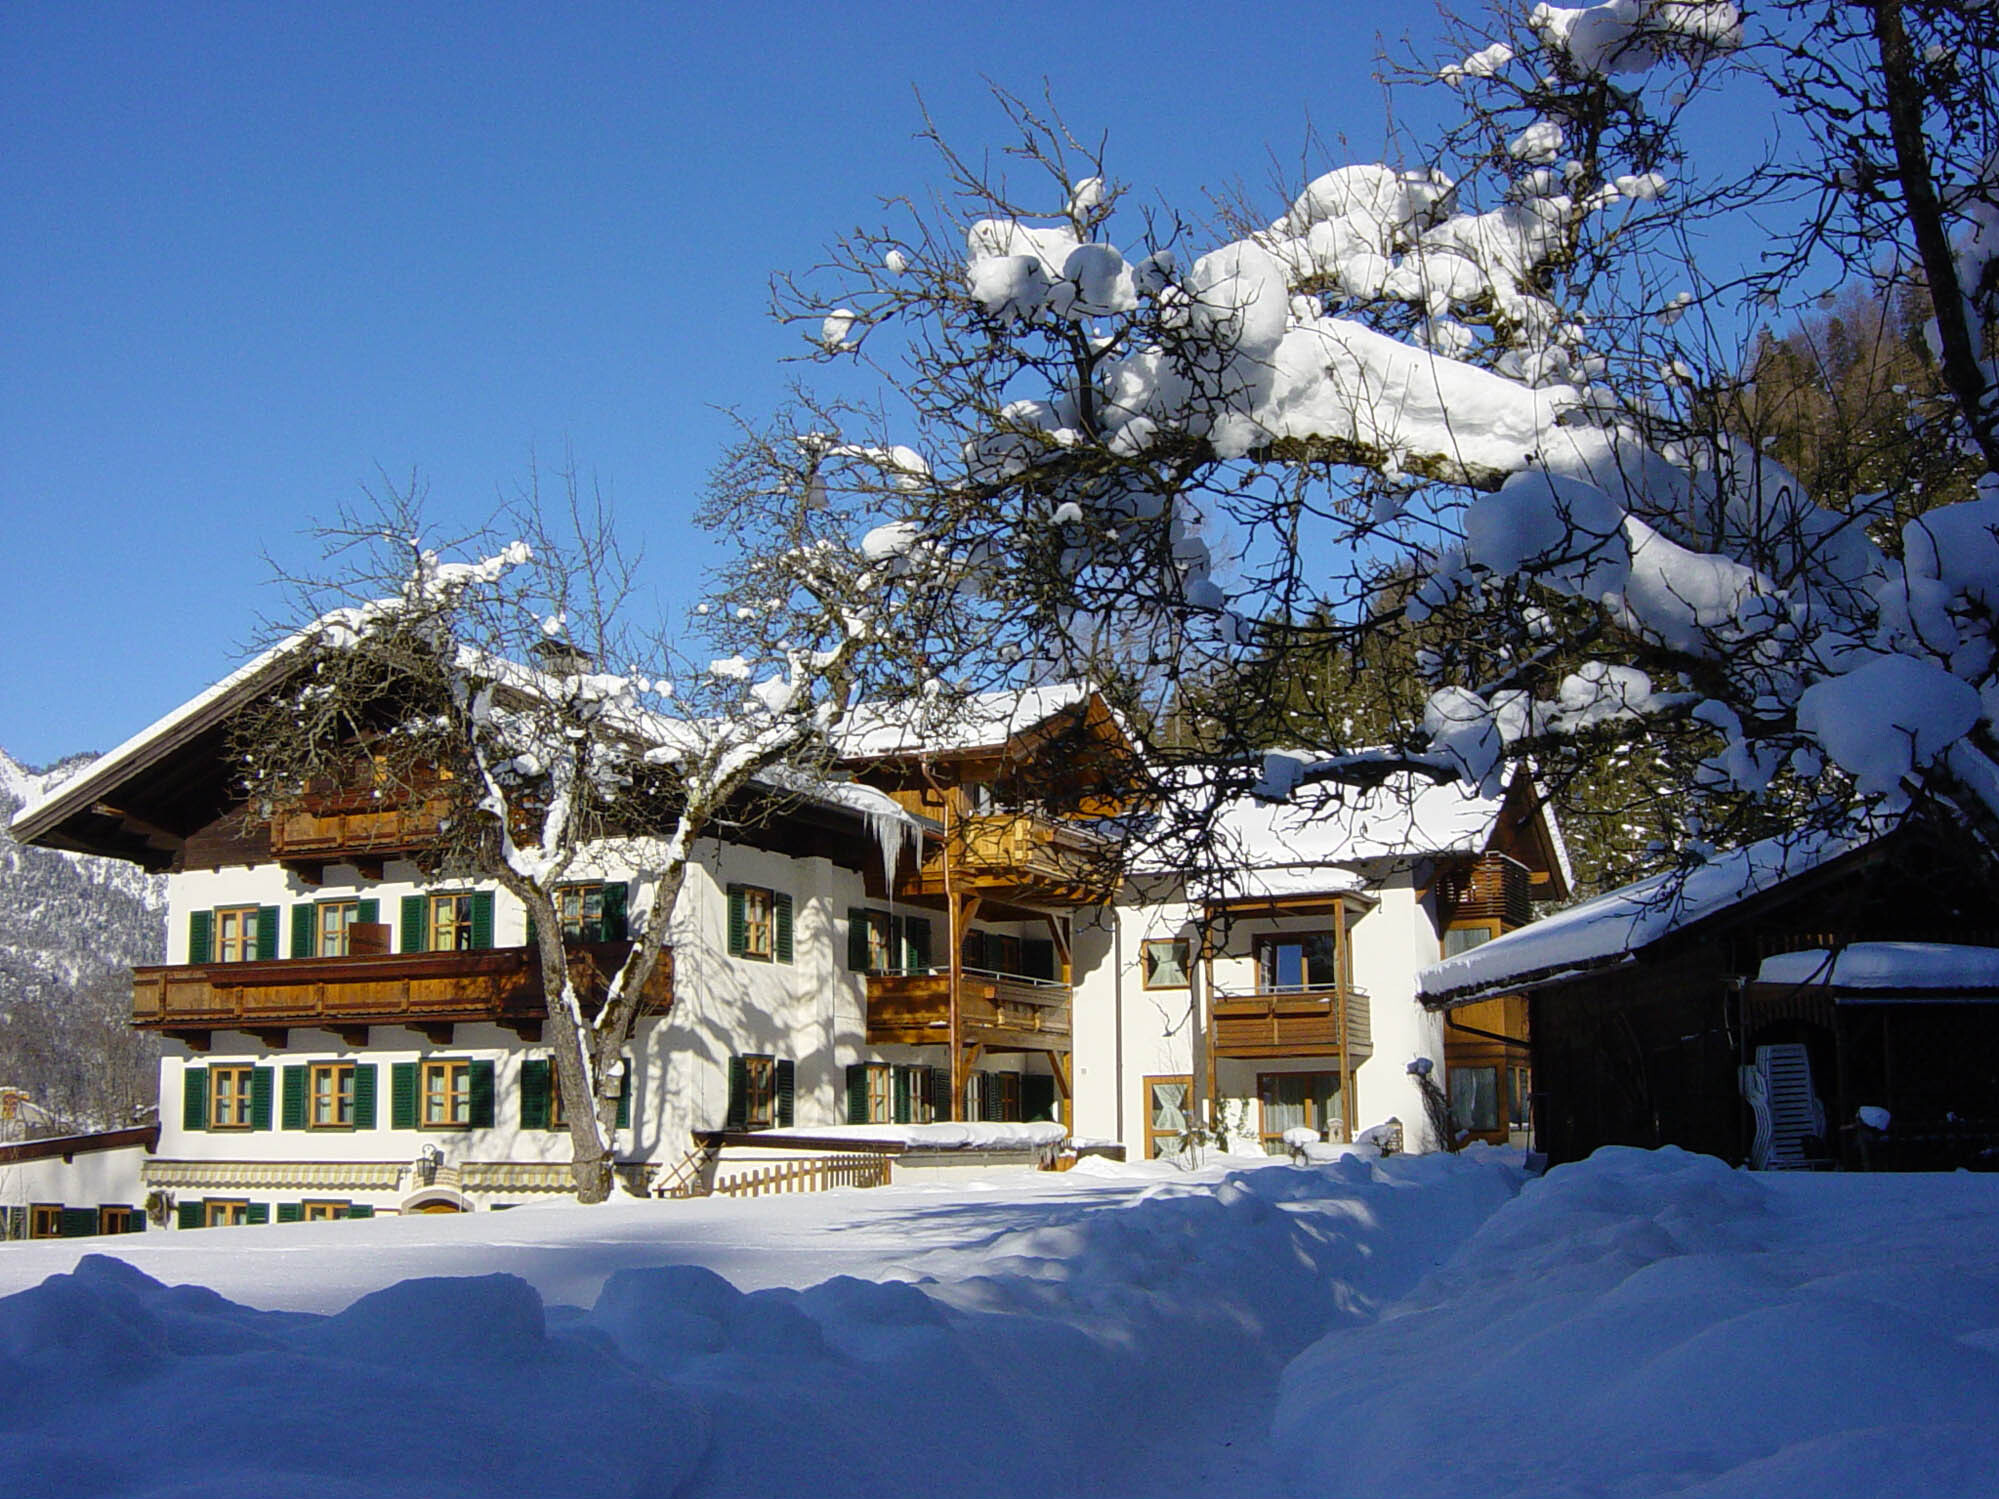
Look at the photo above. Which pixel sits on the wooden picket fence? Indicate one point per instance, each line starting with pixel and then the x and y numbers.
pixel 808 1176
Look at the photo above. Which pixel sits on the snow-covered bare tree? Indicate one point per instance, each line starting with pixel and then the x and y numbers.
pixel 504 684
pixel 1470 394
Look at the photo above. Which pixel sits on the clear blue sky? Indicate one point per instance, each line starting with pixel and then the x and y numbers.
pixel 255 253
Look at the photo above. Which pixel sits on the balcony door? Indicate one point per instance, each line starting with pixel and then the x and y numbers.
pixel 1294 962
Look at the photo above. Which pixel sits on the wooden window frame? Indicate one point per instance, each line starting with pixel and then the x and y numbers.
pixel 322 1211
pixel 759 924
pixel 333 944
pixel 456 1092
pixel 247 922
pixel 242 1095
pixel 461 927
pixel 225 1212
pixel 1154 1136
pixel 1264 941
pixel 1274 1143
pixel 340 1096
pixel 759 1086
pixel 1184 962
pixel 45 1220
pixel 581 925
pixel 115 1217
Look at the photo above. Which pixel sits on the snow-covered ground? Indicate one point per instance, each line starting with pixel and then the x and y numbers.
pixel 1643 1323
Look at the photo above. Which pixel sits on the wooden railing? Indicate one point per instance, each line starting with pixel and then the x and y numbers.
pixel 820 1175
pixel 1299 1022
pixel 354 823
pixel 915 1009
pixel 492 984
pixel 1022 852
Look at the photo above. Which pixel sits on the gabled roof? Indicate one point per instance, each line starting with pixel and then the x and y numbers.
pixel 956 726
pixel 1611 929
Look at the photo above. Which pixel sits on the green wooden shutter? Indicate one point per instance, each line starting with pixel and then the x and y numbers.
pixel 268 920
pixel 291 1212
pixel 781 943
pixel 972 950
pixel 304 919
pixel 200 936
pixel 364 1095
pixel 614 911
pixel 482 918
pixel 260 1097
pixel 360 1210
pixel 625 1097
pixel 916 943
pixel 194 1098
pixel 857 1093
pixel 402 1095
pixel 1037 1096
pixel 940 1093
pixel 480 1100
pixel 416 933
pixel 739 1095
pixel 189 1215
pixel 369 911
pixel 857 941
pixel 78 1223
pixel 904 1096
pixel 257 1212
pixel 291 1110
pixel 535 1085
pixel 786 1086
pixel 136 1224
pixel 739 923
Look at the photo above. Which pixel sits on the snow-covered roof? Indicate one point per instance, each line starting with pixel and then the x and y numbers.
pixel 1609 929
pixel 984 720
pixel 1936 966
pixel 1316 841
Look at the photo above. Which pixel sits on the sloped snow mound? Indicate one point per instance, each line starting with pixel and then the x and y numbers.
pixel 1655 1323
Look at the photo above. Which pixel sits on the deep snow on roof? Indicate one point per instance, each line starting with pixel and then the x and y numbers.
pixel 1613 926
pixel 1887 965
pixel 979 721
pixel 1314 841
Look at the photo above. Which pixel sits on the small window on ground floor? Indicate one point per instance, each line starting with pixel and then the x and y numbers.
pixel 760 1092
pixel 1169 1107
pixel 1167 961
pixel 216 1213
pixel 118 1218
pixel 1298 1100
pixel 1475 1098
pixel 45 1220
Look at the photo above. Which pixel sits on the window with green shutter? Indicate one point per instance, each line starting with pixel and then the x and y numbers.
pixel 79 1223
pixel 259 1212
pixel 786 1088
pixel 781 942
pixel 364 1095
pixel 194 1097
pixel 625 1097
pixel 402 1095
pixel 537 1082
pixel 759 924
pixel 857 1093
pixel 859 957
pixel 200 936
pixel 291 1105
pixel 481 1103
pixel 291 1212
pixel 415 932
pixel 305 931
pixel 268 918
pixel 260 1097
pixel 189 1215
pixel 916 944
pixel 360 1210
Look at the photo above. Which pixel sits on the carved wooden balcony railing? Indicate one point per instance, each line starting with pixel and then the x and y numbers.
pixel 329 825
pixel 996 1010
pixel 1021 856
pixel 1292 1023
pixel 426 991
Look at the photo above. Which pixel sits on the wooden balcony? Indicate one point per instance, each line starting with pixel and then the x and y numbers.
pixel 1021 857
pixel 1294 1023
pixel 1002 1012
pixel 430 992
pixel 347 824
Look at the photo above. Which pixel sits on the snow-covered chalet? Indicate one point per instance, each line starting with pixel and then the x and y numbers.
pixel 346 1034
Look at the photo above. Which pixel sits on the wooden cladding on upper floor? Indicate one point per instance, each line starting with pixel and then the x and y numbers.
pixel 498 985
pixel 1491 887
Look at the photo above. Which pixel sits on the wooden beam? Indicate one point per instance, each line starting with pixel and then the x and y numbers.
pixel 353 1036
pixel 528 1030
pixel 438 1033
pixel 275 1038
pixel 369 869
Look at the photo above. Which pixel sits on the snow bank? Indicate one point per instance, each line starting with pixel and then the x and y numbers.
pixel 1655 1323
